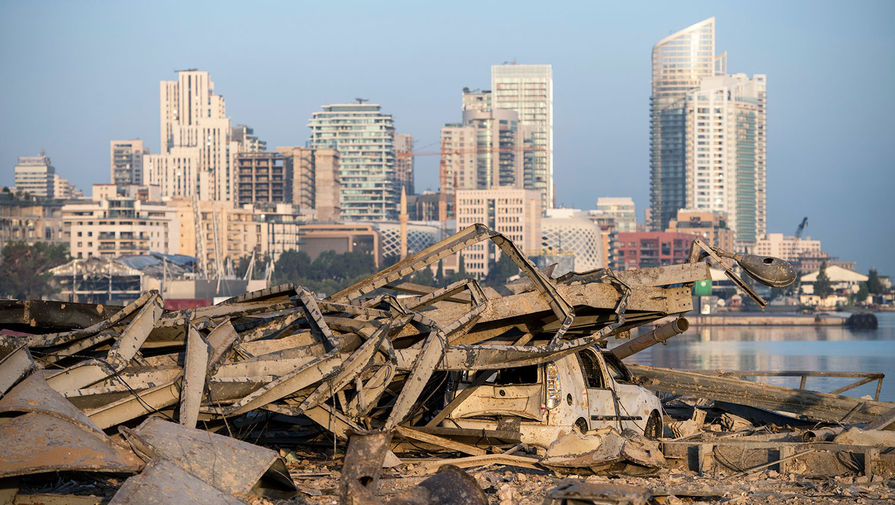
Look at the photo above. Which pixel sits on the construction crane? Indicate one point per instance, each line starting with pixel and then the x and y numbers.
pixel 801 228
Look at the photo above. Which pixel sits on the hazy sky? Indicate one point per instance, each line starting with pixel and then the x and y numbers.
pixel 77 75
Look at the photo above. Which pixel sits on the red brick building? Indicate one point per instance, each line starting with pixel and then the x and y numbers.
pixel 652 248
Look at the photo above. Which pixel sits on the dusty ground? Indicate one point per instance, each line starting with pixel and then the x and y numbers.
pixel 503 485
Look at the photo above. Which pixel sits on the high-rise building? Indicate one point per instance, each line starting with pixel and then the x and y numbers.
pixel 364 137
pixel 262 178
pixel 516 213
pixel 404 162
pixel 707 135
pixel 726 152
pixel 198 156
pixel 126 161
pixel 34 175
pixel 528 91
pixel 680 61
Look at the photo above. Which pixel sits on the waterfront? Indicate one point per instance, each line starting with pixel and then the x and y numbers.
pixel 785 348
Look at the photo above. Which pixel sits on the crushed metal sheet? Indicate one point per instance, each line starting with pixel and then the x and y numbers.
pixel 36 443
pixel 34 395
pixel 14 365
pixel 163 482
pixel 232 465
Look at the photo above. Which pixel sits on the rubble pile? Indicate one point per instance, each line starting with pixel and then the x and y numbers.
pixel 137 404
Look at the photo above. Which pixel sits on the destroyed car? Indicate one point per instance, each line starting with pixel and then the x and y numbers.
pixel 587 390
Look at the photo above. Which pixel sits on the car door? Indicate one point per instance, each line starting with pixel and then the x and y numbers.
pixel 632 410
pixel 601 404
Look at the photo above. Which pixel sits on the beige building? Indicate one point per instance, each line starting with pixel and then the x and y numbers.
pixel 30 221
pixel 710 226
pixel 516 213
pixel 65 190
pixel 787 248
pixel 620 209
pixel 314 176
pixel 528 91
pixel 140 192
pixel 120 226
pixel 198 156
pixel 225 233
pixel 126 161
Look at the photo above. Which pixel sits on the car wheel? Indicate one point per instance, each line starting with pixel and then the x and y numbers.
pixel 653 428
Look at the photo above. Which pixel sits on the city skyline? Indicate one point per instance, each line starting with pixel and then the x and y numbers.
pixel 829 140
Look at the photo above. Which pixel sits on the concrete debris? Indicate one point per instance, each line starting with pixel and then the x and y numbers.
pixel 450 377
pixel 586 493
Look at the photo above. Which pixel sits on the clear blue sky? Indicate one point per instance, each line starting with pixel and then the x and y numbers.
pixel 79 74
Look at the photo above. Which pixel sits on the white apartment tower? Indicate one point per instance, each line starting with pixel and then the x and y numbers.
pixel 726 152
pixel 364 137
pixel 528 91
pixel 35 175
pixel 198 157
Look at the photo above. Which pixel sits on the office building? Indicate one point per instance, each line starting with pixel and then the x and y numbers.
pixel 404 160
pixel 34 176
pixel 198 156
pixel 126 161
pixel 528 91
pixel 516 213
pixel 364 137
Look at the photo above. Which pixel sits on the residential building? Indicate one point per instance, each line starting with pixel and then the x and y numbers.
pixel 364 137
pixel 404 158
pixel 515 213
pixel 119 226
pixel 225 234
pixel 726 152
pixel 65 190
pixel 262 178
pixel 574 236
pixel 126 161
pixel 804 254
pixel 710 226
pixel 282 222
pixel 528 91
pixel 707 135
pixel 653 249
pixel 314 176
pixel 198 155
pixel 621 210
pixel 30 220
pixel 680 61
pixel 140 192
pixel 844 282
pixel 34 176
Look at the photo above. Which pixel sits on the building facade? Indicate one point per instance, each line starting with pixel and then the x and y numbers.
pixel 679 63
pixel 515 213
pixel 34 176
pixel 314 178
pixel 120 226
pixel 198 156
pixel 30 221
pixel 364 137
pixel 621 210
pixel 653 249
pixel 261 178
pixel 710 226
pixel 574 236
pixel 404 161
pixel 528 91
pixel 126 161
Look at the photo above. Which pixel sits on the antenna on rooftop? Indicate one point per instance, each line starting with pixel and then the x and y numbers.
pixel 361 100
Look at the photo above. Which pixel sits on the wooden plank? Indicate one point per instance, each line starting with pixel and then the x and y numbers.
pixel 439 441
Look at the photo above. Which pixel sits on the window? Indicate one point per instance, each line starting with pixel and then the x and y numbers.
pixel 617 370
pixel 591 368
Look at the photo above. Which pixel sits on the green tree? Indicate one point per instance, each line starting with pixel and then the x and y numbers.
pixel 26 268
pixel 874 284
pixel 291 266
pixel 500 271
pixel 862 294
pixel 822 286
